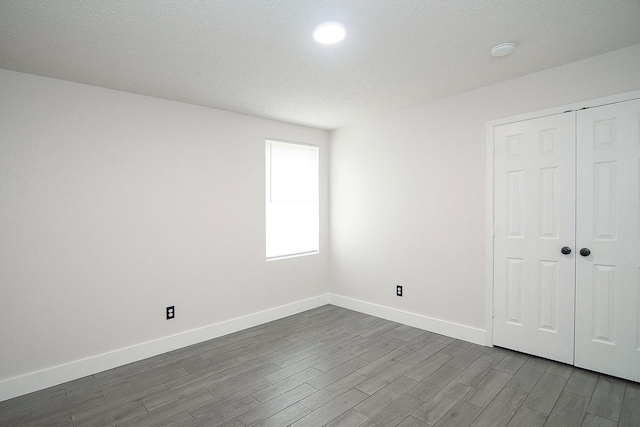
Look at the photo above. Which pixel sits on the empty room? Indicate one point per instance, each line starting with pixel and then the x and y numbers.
pixel 320 213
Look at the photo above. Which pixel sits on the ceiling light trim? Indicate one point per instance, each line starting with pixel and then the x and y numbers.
pixel 329 33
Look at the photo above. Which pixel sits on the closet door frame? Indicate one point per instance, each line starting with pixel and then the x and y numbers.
pixel 489 225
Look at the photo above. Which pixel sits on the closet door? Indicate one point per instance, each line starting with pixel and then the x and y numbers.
pixel 608 226
pixel 534 210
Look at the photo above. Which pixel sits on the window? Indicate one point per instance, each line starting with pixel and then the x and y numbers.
pixel 291 199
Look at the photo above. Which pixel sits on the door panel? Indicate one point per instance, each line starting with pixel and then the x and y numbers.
pixel 534 218
pixel 608 224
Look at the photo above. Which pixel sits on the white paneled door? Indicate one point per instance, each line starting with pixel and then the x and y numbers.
pixel 567 238
pixel 608 234
pixel 534 219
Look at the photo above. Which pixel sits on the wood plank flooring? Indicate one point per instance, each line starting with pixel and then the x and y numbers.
pixel 334 367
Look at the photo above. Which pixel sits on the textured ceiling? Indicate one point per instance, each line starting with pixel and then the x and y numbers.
pixel 257 56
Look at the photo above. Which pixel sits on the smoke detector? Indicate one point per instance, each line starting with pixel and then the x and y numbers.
pixel 503 49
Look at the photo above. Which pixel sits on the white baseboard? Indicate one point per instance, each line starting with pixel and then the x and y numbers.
pixel 49 377
pixel 443 327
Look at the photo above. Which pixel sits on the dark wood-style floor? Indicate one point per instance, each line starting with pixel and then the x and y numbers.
pixel 334 367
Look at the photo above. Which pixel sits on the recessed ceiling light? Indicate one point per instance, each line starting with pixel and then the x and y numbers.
pixel 502 49
pixel 329 33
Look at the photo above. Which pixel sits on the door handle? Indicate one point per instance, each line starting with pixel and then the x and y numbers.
pixel 585 252
pixel 565 250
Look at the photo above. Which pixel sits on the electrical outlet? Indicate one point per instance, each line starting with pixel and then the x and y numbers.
pixel 399 290
pixel 171 312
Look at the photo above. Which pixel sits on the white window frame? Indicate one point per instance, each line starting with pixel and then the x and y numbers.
pixel 292 205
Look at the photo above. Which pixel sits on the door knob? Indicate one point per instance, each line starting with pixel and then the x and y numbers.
pixel 585 252
pixel 565 250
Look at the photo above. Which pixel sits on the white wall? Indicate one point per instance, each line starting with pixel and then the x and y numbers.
pixel 114 206
pixel 408 190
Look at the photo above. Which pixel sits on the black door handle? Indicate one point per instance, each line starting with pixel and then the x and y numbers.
pixel 565 250
pixel 585 252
